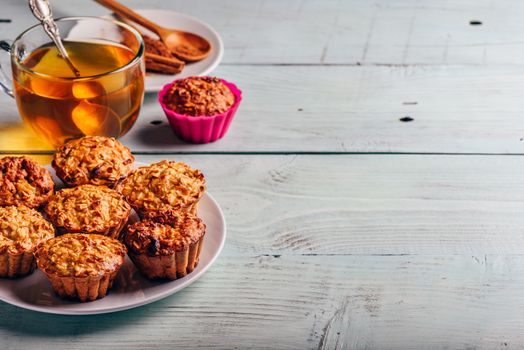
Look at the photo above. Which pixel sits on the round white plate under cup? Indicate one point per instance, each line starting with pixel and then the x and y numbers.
pixel 169 19
pixel 154 82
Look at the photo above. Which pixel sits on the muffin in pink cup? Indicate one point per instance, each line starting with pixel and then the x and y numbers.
pixel 200 109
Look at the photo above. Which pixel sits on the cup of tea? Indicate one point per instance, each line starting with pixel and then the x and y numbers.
pixel 104 100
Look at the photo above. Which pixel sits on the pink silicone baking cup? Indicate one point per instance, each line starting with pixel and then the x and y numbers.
pixel 201 129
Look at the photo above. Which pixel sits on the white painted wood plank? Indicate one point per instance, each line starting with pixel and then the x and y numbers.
pixel 344 109
pixel 339 32
pixel 308 302
pixel 363 251
pixel 358 109
pixel 366 205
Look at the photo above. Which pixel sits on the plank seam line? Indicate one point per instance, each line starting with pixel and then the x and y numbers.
pixel 387 255
pixel 270 153
pixel 371 64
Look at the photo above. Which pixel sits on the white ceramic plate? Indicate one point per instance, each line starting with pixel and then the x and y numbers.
pixel 130 289
pixel 170 19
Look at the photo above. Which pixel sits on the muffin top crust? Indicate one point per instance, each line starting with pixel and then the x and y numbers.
pixel 80 255
pixel 156 238
pixel 22 229
pixel 24 182
pixel 162 186
pixel 87 208
pixel 95 160
pixel 199 96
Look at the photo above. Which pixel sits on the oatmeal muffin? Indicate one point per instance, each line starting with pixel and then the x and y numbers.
pixel 88 209
pixel 95 160
pixel 200 109
pixel 199 96
pixel 81 266
pixel 167 250
pixel 165 187
pixel 24 182
pixel 21 230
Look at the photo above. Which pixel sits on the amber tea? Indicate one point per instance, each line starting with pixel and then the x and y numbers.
pixel 60 106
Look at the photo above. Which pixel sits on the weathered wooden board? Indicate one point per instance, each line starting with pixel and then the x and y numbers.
pixel 307 302
pixel 458 109
pixel 366 204
pixel 338 32
pixel 373 204
pixel 365 251
pixel 359 109
pixel 344 109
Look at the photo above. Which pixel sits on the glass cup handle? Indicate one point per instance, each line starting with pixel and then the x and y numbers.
pixel 5 82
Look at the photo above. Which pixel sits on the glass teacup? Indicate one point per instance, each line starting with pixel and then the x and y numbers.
pixel 105 100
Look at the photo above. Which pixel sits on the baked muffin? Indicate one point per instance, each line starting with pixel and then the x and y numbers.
pixel 88 209
pixel 24 182
pixel 95 160
pixel 168 249
pixel 165 187
pixel 199 96
pixel 81 266
pixel 200 109
pixel 21 230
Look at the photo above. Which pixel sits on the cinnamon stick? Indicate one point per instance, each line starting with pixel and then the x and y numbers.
pixel 163 64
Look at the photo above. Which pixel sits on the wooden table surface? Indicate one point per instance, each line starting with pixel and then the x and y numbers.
pixel 349 227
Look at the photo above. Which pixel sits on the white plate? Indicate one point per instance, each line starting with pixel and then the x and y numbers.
pixel 170 19
pixel 130 289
